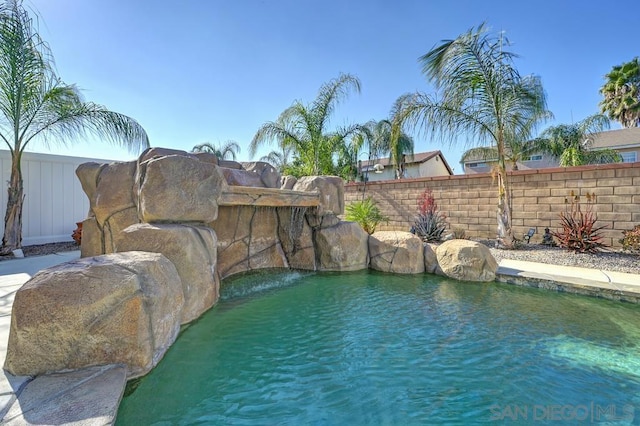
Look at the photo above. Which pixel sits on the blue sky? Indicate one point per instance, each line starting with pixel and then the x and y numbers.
pixel 196 71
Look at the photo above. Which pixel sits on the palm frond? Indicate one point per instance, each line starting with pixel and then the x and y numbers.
pixel 303 129
pixel 571 143
pixel 226 151
pixel 204 147
pixel 331 94
pixel 35 104
pixel 482 153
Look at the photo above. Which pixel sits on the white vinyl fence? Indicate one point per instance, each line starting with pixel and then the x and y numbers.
pixel 54 199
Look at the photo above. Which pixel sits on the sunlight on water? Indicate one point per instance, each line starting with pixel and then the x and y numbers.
pixel 581 353
pixel 372 348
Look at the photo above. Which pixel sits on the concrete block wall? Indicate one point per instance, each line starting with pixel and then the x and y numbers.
pixel 538 198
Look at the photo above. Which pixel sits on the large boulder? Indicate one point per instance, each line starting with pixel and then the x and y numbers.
pixel 118 222
pixel 92 239
pixel 343 247
pixel 113 190
pixel 269 176
pixel 230 164
pixel 158 152
pixel 192 249
pixel 430 259
pixel 288 182
pixel 121 308
pixel 318 221
pixel 88 174
pixel 397 252
pixel 178 188
pixel 331 189
pixel 236 177
pixel 466 261
pixel 206 157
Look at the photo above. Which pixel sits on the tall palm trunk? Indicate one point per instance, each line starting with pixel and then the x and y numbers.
pixel 12 238
pixel 505 232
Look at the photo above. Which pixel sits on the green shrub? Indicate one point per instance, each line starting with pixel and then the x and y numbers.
pixel 365 213
pixel 459 234
pixel 631 240
pixel 579 232
pixel 430 224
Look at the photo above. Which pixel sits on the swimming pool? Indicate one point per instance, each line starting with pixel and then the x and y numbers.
pixel 373 348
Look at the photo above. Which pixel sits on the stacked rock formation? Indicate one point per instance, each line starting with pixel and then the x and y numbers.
pixel 161 233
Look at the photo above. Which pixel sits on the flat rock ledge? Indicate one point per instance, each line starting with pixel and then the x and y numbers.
pixel 90 396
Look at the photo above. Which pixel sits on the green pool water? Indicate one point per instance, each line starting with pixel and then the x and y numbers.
pixel 371 348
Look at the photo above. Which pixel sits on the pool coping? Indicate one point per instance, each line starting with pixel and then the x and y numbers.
pixel 27 400
pixel 617 286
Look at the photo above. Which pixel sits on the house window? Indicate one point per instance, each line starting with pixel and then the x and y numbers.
pixel 533 158
pixel 475 165
pixel 629 157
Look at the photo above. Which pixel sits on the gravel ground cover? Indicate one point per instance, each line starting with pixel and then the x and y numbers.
pixel 42 249
pixel 611 260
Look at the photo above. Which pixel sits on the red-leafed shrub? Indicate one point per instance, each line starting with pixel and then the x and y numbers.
pixel 579 231
pixel 430 224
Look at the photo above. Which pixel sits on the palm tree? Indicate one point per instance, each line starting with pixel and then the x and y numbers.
pixel 35 104
pixel 483 97
pixel 347 157
pixel 622 94
pixel 381 140
pixel 401 145
pixel 304 128
pixel 226 151
pixel 515 152
pixel 278 159
pixel 571 143
pixel 488 154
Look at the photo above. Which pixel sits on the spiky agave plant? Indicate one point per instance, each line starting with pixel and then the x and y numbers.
pixel 430 223
pixel 579 232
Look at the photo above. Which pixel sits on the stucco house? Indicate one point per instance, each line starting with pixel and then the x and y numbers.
pixel 422 164
pixel 625 141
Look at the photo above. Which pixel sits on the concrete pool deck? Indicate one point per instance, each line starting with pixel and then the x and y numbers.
pixel 591 282
pixel 91 396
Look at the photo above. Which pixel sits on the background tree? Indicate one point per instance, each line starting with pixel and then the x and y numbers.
pixel 226 151
pixel 36 105
pixel 278 159
pixel 621 94
pixel 482 96
pixel 571 143
pixel 515 152
pixel 381 140
pixel 304 128
pixel 347 157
